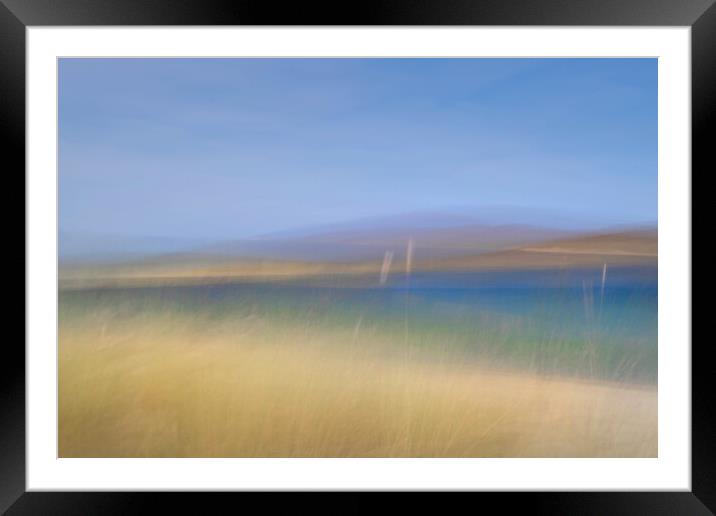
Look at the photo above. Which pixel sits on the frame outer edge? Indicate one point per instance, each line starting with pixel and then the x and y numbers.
pixel 12 142
pixel 12 101
pixel 703 118
pixel 367 12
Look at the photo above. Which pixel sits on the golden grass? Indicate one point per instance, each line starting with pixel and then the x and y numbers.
pixel 179 387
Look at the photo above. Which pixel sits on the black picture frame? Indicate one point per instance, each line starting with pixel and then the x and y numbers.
pixel 16 15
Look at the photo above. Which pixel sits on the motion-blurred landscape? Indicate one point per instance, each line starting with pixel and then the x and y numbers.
pixel 394 342
pixel 381 312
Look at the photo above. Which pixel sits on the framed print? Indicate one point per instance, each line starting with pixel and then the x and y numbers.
pixel 435 249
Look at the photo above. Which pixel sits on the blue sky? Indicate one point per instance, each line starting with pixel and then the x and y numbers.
pixel 231 148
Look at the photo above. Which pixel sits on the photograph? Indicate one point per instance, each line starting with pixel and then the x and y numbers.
pixel 352 257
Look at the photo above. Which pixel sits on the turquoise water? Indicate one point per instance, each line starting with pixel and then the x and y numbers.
pixel 563 322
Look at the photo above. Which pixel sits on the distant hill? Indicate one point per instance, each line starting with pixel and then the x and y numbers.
pixel 433 234
pixel 612 249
